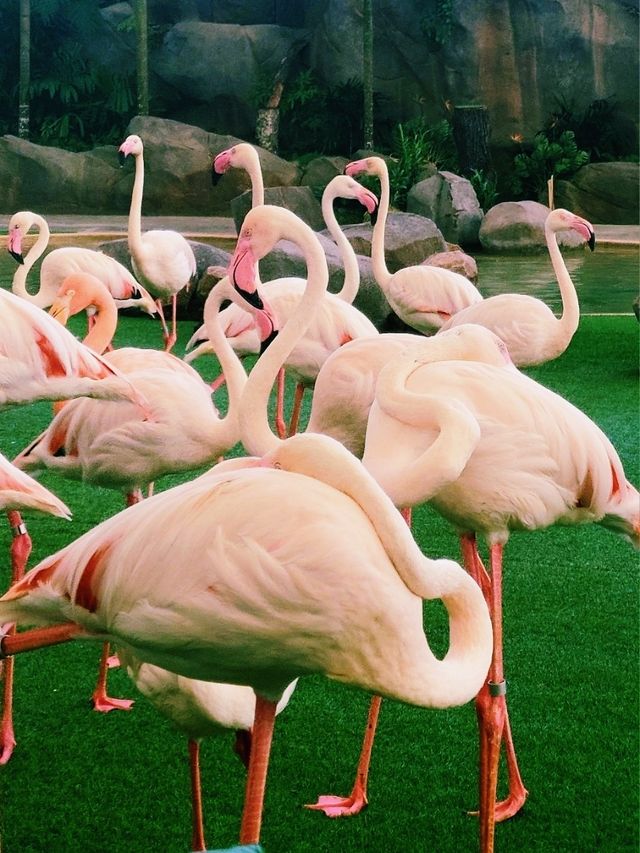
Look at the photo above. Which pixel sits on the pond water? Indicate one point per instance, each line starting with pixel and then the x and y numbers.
pixel 606 280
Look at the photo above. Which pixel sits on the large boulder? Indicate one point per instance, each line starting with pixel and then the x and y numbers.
pixel 451 202
pixel 408 239
pixel 220 64
pixel 455 260
pixel 319 171
pixel 606 193
pixel 518 226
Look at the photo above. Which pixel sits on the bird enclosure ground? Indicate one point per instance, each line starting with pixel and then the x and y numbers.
pixel 82 781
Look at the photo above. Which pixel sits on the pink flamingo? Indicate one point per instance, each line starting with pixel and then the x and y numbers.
pixel 162 260
pixel 207 604
pixel 20 491
pixel 121 446
pixel 532 333
pixel 336 322
pixel 493 451
pixel 424 297
pixel 65 261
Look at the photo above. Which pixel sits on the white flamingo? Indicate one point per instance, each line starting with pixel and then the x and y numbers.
pixel 424 297
pixel 162 260
pixel 531 331
pixel 60 263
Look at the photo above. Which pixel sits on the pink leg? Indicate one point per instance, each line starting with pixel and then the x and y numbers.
pixel 197 838
pixel 262 734
pixel 102 702
pixel 170 340
pixel 517 794
pixel 218 382
pixel 281 427
pixel 297 406
pixel 353 804
pixel 37 638
pixel 20 551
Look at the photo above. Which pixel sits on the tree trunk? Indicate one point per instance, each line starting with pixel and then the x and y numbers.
pixel 367 73
pixel 25 69
pixel 142 56
pixel 471 133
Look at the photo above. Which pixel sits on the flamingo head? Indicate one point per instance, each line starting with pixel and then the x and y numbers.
pixel 131 145
pixel 368 165
pixel 563 220
pixel 345 187
pixel 222 162
pixel 77 292
pixel 19 226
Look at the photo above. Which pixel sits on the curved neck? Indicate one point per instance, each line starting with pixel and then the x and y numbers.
pixel 378 262
pixel 134 227
pixel 568 322
pixel 256 434
pixel 442 461
pixel 230 364
pixel 19 283
pixel 349 289
pixel 105 320
pixel 254 170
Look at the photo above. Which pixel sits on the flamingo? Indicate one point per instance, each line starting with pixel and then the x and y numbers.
pixel 121 446
pixel 493 451
pixel 336 321
pixel 532 333
pixel 20 491
pixel 345 386
pixel 62 262
pixel 199 709
pixel 424 297
pixel 162 260
pixel 252 590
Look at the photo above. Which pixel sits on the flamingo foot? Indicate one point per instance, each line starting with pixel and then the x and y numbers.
pixel 341 806
pixel 113 662
pixel 169 341
pixel 7 742
pixel 104 703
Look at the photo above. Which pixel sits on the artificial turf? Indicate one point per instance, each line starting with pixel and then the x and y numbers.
pixel 82 781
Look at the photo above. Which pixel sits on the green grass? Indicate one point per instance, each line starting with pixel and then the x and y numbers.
pixel 79 781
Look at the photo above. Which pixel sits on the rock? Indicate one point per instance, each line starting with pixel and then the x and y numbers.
pixel 451 202
pixel 518 226
pixel 298 199
pixel 219 64
pixel 606 193
pixel 319 171
pixel 409 239
pixel 457 261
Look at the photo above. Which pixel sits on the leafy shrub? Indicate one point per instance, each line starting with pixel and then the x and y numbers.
pixel 486 188
pixel 531 170
pixel 601 129
pixel 414 145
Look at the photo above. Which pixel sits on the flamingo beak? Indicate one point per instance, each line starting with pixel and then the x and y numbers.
pixel 14 245
pixel 61 309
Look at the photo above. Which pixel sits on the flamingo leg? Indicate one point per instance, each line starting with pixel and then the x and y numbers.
pixel 197 838
pixel 262 734
pixel 20 551
pixel 101 701
pixel 172 337
pixel 218 382
pixel 297 407
pixel 281 427
pixel 334 806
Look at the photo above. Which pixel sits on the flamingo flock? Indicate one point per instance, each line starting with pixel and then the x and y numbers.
pixel 222 593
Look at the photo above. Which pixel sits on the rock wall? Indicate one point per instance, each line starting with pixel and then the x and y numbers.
pixel 518 58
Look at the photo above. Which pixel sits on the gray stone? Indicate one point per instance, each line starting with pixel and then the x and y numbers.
pixel 319 171
pixel 220 64
pixel 298 199
pixel 409 239
pixel 606 193
pixel 451 202
pixel 518 226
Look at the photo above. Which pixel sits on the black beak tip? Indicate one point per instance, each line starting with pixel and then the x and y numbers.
pixel 121 158
pixel 374 215
pixel 265 343
pixel 592 241
pixel 16 256
pixel 215 177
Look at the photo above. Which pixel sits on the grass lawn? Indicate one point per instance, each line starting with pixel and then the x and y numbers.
pixel 80 781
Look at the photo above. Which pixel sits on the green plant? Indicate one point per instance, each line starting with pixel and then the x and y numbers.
pixel 485 186
pixel 601 128
pixel 414 145
pixel 531 170
pixel 438 25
